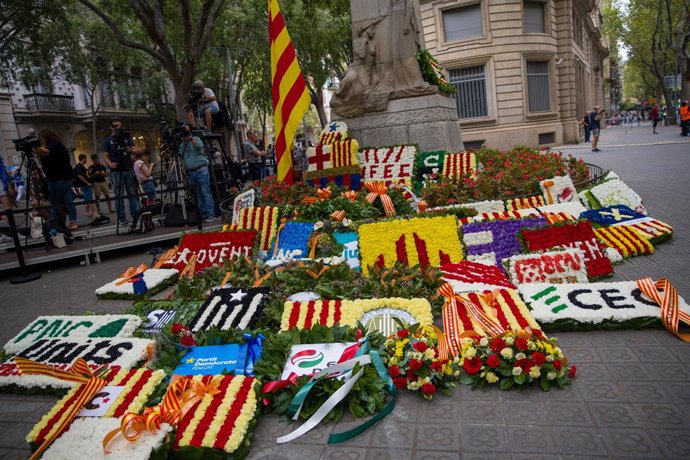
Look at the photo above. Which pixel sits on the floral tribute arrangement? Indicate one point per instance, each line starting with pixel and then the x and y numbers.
pixel 614 192
pixel 496 240
pixel 555 267
pixel 134 388
pixel 625 239
pixel 292 240
pixel 263 219
pixel 594 305
pixel 334 159
pixel 468 276
pixel 392 165
pixel 429 164
pixel 61 326
pixel 124 353
pixel 383 315
pixel 611 215
pixel 504 305
pixel 458 165
pixel 305 314
pixel 654 230
pixel 525 203
pixel 204 250
pixel 514 360
pixel 413 362
pixel 231 308
pixel 571 209
pixel 559 189
pixel 425 241
pixel 138 283
pixel 579 236
pixel 502 215
pixel 222 418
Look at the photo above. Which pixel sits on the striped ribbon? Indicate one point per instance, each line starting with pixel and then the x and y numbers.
pixel 189 269
pixel 182 395
pixel 80 373
pixel 338 215
pixel 321 194
pixel 166 257
pixel 379 189
pixel 350 195
pixel 130 273
pixel 671 315
pixel 422 206
pixel 451 345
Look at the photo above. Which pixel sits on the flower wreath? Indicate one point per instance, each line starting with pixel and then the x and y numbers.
pixel 354 310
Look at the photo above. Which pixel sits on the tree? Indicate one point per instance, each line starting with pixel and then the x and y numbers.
pixel 176 33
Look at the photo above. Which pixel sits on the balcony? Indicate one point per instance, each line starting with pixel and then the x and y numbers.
pixel 49 103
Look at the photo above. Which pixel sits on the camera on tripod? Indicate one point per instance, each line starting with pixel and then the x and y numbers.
pixel 26 145
pixel 121 136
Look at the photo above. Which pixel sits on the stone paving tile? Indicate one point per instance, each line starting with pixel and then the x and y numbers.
pixel 441 409
pixel 390 434
pixel 584 441
pixel 567 413
pixel 623 372
pixel 630 442
pixel 478 412
pixel 664 415
pixel 281 452
pixel 644 392
pixel 614 414
pixel 483 438
pixel 673 444
pixel 344 453
pixel 528 438
pixel 602 391
pixel 388 454
pixel 592 372
pixel 438 436
pixel 524 413
pixel 431 455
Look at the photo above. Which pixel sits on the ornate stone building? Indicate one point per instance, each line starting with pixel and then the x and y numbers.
pixel 526 70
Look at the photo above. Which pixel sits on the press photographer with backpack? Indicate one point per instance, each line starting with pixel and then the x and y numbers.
pixel 58 172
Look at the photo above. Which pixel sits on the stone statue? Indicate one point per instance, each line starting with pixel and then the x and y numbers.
pixel 385 62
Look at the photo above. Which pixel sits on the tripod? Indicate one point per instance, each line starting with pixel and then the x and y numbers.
pixel 175 176
pixel 124 169
pixel 32 169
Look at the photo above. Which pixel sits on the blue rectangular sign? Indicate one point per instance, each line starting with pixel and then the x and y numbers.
pixel 214 360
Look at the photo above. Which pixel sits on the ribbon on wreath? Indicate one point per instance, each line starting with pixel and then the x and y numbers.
pixel 130 273
pixel 283 222
pixel 547 184
pixel 321 194
pixel 166 257
pixel 350 195
pixel 379 190
pixel 338 215
pixel 450 343
pixel 671 315
pixel 422 206
pixel 90 383
pixel 365 355
pixel 189 269
pixel 182 395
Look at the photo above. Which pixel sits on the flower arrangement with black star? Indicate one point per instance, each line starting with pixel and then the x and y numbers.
pixel 414 363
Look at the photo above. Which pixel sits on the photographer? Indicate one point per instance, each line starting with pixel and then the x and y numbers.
pixel 118 147
pixel 58 171
pixel 206 102
pixel 254 155
pixel 196 164
pixel 595 126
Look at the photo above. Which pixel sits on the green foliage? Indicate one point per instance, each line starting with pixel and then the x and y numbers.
pixel 432 74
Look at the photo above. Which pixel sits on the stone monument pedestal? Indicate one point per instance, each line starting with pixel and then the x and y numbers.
pixel 429 121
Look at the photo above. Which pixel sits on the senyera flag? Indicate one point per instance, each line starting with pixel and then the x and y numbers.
pixel 290 96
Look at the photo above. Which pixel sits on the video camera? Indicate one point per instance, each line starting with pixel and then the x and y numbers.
pixel 121 135
pixel 26 144
pixel 171 136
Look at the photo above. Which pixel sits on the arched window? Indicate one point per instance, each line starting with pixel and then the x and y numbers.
pixel 82 144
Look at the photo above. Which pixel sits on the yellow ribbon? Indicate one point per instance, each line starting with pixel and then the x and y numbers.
pixel 379 190
pixel 671 316
pixel 189 269
pixel 80 372
pixel 130 273
pixel 422 206
pixel 547 184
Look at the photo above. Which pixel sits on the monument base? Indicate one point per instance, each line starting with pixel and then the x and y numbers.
pixel 430 121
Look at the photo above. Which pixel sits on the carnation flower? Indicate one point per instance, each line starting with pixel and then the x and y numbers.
pixel 524 364
pixel 507 353
pixel 430 353
pixel 414 386
pixel 436 366
pixel 572 371
pixel 428 388
pixel 470 353
pixel 400 382
pixel 538 358
pixel 394 371
pixel 411 376
pixel 535 372
pixel 497 345
pixel 521 343
pixel 472 366
pixel 402 333
pixel 420 346
pixel 517 370
pixel 493 362
pixel 510 340
pixel 177 328
pixel 416 364
pixel 551 375
pixel 483 342
pixel 491 377
pixel 557 364
pixel 520 355
pixel 187 340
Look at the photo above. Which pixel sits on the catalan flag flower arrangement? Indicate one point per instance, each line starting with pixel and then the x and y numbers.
pixel 523 203
pixel 305 314
pixel 263 219
pixel 628 241
pixel 458 165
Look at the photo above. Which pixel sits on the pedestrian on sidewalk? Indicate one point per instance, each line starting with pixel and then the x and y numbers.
pixel 83 181
pixel 587 125
pixel 684 119
pixel 595 126
pixel 655 118
pixel 99 178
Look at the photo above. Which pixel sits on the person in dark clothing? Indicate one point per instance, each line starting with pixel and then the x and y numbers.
pixel 99 176
pixel 83 181
pixel 58 171
pixel 117 156
pixel 254 155
pixel 586 124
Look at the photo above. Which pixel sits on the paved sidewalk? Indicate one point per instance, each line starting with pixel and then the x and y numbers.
pixel 631 397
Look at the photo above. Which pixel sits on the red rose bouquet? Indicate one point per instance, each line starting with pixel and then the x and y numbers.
pixel 515 360
pixel 413 362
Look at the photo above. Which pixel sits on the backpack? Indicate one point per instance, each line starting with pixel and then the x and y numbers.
pixel 55 223
pixel 142 222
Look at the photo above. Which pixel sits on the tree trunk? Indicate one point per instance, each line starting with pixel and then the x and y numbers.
pixel 318 103
pixel 94 142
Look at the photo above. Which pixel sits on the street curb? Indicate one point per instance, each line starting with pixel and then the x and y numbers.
pixel 582 146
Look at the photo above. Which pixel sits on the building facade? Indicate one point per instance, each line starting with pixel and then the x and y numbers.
pixel 67 110
pixel 526 71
